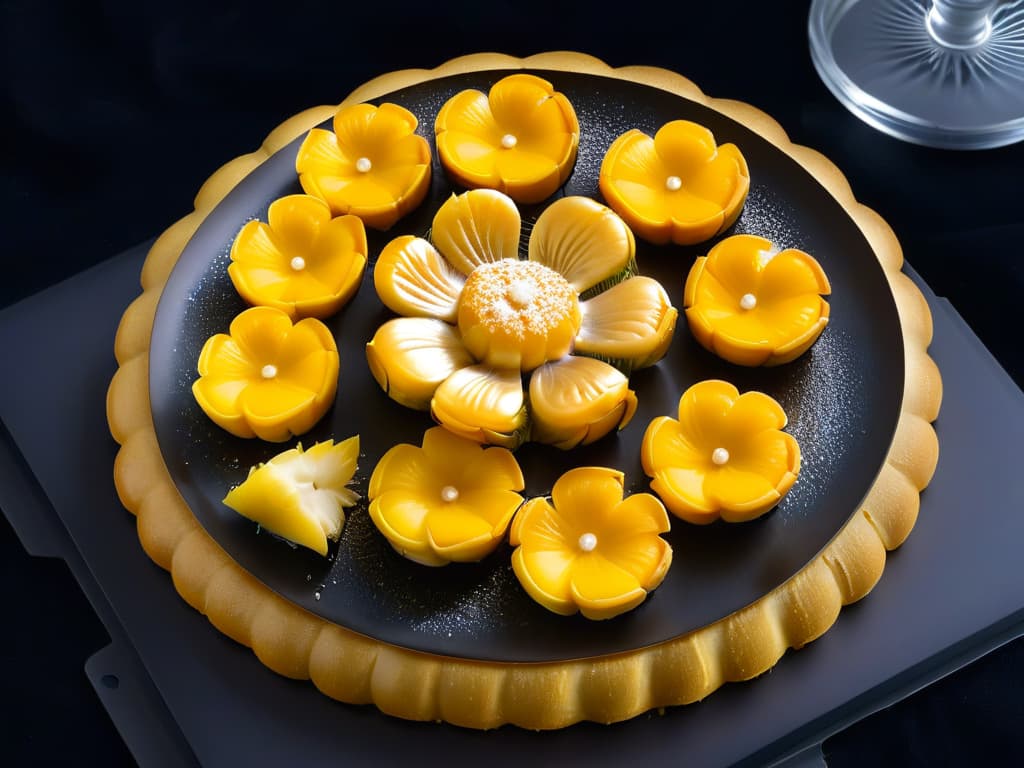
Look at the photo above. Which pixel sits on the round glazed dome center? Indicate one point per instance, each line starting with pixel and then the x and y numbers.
pixel 518 314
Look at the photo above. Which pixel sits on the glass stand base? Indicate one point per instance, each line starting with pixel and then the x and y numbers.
pixel 883 60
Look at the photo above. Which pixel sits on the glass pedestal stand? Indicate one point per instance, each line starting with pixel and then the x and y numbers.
pixel 948 73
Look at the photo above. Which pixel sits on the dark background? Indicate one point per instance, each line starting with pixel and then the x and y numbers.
pixel 115 112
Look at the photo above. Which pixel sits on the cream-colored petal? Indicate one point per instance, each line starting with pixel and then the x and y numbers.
pixel 584 241
pixel 633 320
pixel 578 398
pixel 477 227
pixel 410 356
pixel 478 400
pixel 413 279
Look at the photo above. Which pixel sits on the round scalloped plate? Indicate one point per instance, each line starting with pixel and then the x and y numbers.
pixel 366 624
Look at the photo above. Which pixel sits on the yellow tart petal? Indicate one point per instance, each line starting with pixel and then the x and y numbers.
pixel 578 400
pixel 602 589
pixel 448 449
pixel 413 279
pixel 633 320
pixel 256 246
pixel 523 171
pixel 685 147
pixel 472 158
pixel 458 536
pixel 741 495
pixel 319 155
pixel 792 272
pixel 469 466
pixel 752 413
pixel 407 468
pixel 476 227
pixel 702 412
pixel 545 575
pixel 410 356
pixel 222 356
pixel 296 220
pixel 469 113
pixel 524 104
pixel 482 404
pixel 363 130
pixel 218 397
pixel 735 262
pixel 401 516
pixel 539 527
pixel 645 557
pixel 682 491
pixel 495 468
pixel 637 514
pixel 494 507
pixel 582 240
pixel 260 333
pixel 586 495
pixel 771 454
pixel 665 444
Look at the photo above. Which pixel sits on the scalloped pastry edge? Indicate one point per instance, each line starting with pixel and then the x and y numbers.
pixel 483 695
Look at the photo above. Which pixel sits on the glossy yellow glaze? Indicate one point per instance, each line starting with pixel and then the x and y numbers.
pixel 372 165
pixel 752 305
pixel 301 261
pixel 450 500
pixel 678 186
pixel 268 378
pixel 589 550
pixel 724 457
pixel 301 495
pixel 520 138
pixel 477 318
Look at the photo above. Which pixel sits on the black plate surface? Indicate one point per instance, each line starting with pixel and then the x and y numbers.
pixel 842 397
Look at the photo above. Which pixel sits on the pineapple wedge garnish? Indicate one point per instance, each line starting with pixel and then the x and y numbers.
pixel 301 495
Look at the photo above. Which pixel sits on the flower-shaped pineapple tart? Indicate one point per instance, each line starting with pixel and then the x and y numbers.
pixel 588 549
pixel 301 495
pixel 520 138
pixel 302 261
pixel 268 378
pixel 372 165
pixel 753 305
pixel 679 186
pixel 477 319
pixel 725 457
pixel 450 500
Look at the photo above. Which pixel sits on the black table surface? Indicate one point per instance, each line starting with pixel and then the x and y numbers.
pixel 117 111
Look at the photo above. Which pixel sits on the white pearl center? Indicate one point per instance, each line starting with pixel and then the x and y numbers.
pixel 508 141
pixel 522 292
pixel 298 263
pixel 720 456
pixel 363 164
pixel 748 301
pixel 587 542
pixel 449 493
pixel 673 183
pixel 269 371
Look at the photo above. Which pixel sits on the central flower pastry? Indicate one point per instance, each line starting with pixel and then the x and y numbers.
pixel 518 314
pixel 573 318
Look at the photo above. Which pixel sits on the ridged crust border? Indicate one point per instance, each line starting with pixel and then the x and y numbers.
pixel 474 694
